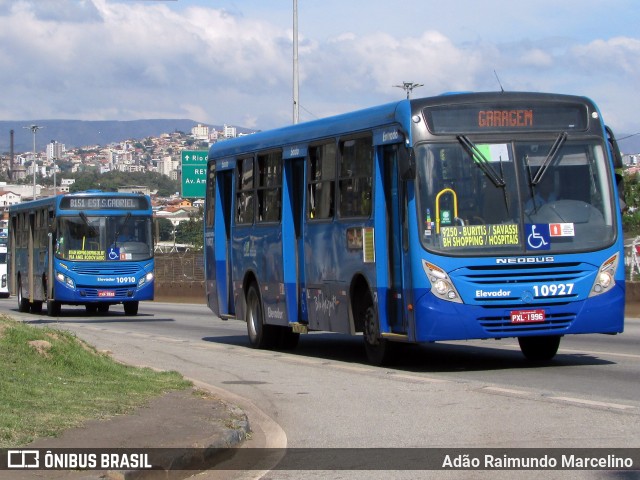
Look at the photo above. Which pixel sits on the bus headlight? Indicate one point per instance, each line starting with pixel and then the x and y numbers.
pixel 441 285
pixel 66 280
pixel 146 279
pixel 605 279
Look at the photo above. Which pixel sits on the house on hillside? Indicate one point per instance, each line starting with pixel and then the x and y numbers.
pixel 8 198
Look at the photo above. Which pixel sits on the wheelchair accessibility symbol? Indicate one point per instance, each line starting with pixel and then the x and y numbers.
pixel 113 253
pixel 538 236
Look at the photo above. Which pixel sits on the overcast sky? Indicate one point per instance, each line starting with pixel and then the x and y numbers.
pixel 225 61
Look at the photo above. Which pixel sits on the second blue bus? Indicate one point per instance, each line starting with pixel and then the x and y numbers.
pixel 91 248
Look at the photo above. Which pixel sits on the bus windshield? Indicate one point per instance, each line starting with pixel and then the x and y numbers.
pixel 99 238
pixel 513 198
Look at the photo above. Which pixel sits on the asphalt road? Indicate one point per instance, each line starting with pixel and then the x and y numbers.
pixel 457 394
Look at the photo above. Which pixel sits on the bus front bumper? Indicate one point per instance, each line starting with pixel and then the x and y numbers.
pixel 438 320
pixel 110 294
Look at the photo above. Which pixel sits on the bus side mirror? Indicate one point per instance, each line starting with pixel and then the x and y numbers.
pixel 618 166
pixel 615 150
pixel 407 163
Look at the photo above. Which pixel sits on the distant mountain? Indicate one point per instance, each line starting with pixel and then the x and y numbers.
pixel 81 133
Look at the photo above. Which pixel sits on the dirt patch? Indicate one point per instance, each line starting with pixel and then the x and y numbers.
pixel 41 346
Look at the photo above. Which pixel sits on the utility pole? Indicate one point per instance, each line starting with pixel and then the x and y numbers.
pixel 408 87
pixel 34 129
pixel 296 93
pixel 54 173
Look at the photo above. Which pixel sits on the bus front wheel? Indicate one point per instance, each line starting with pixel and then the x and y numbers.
pixel 131 308
pixel 539 349
pixel 260 335
pixel 379 350
pixel 53 308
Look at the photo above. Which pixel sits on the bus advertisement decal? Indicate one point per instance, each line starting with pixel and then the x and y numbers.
pixel 354 238
pixel 368 247
pixel 96 255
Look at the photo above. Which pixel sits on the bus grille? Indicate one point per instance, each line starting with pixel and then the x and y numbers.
pixel 510 277
pixel 524 273
pixel 116 269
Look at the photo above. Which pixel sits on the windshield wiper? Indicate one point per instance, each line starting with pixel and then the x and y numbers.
pixel 481 161
pixel 91 228
pixel 483 164
pixel 126 220
pixel 553 153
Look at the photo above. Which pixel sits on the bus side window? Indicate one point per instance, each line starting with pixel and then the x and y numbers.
pixel 269 183
pixel 245 192
pixel 356 167
pixel 321 181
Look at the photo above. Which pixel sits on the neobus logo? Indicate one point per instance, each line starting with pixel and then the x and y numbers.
pixel 511 261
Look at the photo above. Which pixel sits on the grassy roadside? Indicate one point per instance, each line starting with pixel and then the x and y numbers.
pixel 50 381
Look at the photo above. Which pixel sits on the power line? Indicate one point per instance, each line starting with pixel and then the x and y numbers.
pixel 629 136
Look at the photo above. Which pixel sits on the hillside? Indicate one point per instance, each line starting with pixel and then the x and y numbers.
pixel 80 133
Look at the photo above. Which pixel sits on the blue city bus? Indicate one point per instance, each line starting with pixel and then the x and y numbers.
pixel 460 216
pixel 91 248
pixel 4 240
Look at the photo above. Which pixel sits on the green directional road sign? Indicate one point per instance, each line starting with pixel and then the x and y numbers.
pixel 194 173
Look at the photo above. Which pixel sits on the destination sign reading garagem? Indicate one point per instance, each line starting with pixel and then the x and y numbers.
pixel 104 203
pixel 506 117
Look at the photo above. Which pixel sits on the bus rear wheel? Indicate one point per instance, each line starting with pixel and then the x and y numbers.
pixel 23 303
pixel 539 349
pixel 288 338
pixel 260 335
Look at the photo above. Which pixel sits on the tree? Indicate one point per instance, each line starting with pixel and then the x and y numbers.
pixel 111 181
pixel 165 229
pixel 192 231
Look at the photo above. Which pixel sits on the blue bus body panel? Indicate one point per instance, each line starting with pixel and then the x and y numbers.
pixel 329 267
pixel 259 250
pixel 303 133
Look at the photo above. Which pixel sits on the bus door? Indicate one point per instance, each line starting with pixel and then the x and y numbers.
pixel 398 296
pixel 222 248
pixel 293 238
pixel 209 238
